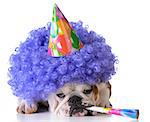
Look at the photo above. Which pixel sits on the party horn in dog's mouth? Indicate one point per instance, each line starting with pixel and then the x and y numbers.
pixel 132 113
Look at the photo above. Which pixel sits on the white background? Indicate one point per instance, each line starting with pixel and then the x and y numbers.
pixel 124 23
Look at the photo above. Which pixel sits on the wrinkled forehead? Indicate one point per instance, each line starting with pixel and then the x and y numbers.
pixel 73 87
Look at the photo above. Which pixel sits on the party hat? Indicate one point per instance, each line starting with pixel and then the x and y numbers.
pixel 63 39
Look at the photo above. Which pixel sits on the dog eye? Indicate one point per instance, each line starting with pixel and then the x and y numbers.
pixel 61 95
pixel 88 91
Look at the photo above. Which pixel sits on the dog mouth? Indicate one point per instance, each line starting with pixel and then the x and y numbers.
pixel 80 110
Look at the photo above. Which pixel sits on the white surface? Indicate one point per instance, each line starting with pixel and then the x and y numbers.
pixel 124 23
pixel 47 117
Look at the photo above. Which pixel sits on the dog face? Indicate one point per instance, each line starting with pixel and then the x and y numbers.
pixel 72 99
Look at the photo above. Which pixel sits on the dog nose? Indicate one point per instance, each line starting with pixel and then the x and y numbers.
pixel 75 100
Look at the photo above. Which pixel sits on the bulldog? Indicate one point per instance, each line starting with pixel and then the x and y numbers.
pixel 72 100
pixel 56 64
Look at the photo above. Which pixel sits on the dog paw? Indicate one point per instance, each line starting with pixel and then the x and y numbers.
pixel 26 108
pixel 105 104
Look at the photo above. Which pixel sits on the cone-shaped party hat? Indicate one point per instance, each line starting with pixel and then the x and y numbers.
pixel 63 39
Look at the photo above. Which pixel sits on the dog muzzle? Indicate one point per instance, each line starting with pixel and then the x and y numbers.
pixel 76 106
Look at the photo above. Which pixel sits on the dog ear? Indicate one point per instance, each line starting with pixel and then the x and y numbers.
pixel 53 103
pixel 101 94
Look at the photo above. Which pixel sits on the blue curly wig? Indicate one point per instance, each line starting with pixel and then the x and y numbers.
pixel 34 73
